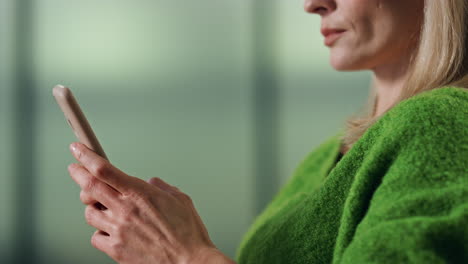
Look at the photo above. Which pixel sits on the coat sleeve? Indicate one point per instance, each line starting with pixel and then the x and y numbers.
pixel 419 212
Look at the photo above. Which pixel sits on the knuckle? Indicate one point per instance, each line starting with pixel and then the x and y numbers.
pixel 85 198
pixel 102 169
pixel 90 184
pixel 113 228
pixel 184 197
pixel 128 213
pixel 135 197
pixel 140 196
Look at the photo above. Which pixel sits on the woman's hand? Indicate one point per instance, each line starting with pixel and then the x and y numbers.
pixel 142 222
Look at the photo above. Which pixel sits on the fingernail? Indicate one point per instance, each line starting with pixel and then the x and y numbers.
pixel 73 147
pixel 71 166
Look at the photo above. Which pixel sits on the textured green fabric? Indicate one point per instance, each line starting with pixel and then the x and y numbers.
pixel 400 195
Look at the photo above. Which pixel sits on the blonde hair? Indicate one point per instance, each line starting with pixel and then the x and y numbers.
pixel 440 59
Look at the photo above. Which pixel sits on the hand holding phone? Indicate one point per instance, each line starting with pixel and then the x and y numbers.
pixel 78 122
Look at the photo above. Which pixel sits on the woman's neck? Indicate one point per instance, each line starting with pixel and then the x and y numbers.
pixel 389 81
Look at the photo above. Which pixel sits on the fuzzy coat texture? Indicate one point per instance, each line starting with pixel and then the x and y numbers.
pixel 400 195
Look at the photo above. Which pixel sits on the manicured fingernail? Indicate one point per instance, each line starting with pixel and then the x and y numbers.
pixel 73 147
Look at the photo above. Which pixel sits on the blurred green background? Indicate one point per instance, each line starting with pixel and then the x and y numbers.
pixel 221 98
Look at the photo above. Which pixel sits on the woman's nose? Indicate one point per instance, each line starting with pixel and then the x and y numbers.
pixel 320 7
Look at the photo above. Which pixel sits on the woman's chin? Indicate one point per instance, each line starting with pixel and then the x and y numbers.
pixel 344 64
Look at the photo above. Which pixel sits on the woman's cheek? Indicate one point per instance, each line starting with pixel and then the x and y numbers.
pixel 357 50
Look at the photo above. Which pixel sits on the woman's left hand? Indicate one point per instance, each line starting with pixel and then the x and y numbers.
pixel 143 222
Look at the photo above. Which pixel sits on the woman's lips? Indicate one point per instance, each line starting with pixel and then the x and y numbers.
pixel 331 37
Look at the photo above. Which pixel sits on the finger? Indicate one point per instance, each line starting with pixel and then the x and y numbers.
pixel 93 190
pixel 87 199
pixel 101 168
pixel 102 242
pixel 98 219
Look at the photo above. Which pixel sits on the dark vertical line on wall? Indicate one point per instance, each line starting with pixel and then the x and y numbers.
pixel 266 102
pixel 24 135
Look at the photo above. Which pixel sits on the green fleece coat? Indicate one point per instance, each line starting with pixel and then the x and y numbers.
pixel 400 195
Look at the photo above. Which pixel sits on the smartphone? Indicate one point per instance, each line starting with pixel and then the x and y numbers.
pixel 76 119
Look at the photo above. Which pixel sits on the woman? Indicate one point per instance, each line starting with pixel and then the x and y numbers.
pixel 399 195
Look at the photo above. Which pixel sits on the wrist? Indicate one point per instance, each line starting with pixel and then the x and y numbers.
pixel 210 255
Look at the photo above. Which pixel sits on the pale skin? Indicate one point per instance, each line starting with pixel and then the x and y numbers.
pixel 380 36
pixel 155 222
pixel 144 222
